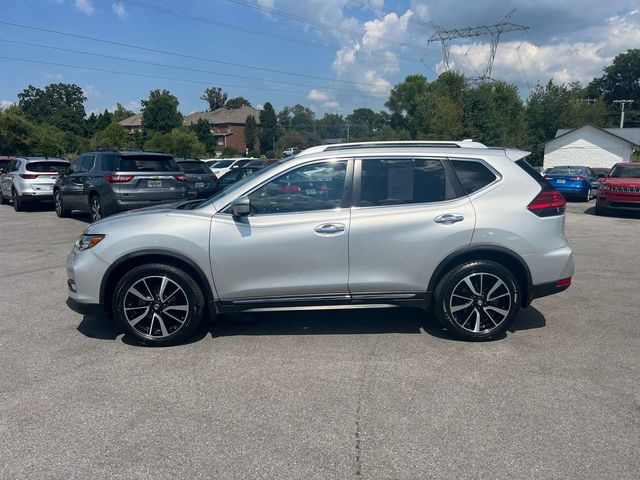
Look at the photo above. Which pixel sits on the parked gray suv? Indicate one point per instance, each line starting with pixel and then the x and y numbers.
pixel 107 182
pixel 472 233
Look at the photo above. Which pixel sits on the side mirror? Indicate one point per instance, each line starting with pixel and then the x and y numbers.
pixel 241 207
pixel 63 171
pixel 2 170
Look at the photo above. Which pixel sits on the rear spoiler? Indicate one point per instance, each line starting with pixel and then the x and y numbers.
pixel 516 155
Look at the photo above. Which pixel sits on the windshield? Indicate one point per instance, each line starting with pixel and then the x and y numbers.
pixel 46 167
pixel 222 164
pixel 625 171
pixel 194 167
pixel 565 171
pixel 240 183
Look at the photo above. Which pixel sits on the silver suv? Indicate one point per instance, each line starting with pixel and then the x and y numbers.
pixel 472 233
pixel 29 180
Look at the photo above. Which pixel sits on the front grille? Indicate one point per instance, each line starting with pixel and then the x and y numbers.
pixel 615 188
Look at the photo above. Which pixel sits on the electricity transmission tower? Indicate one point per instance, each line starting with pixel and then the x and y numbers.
pixel 494 31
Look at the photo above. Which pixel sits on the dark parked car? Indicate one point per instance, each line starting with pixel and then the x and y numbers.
pixel 234 176
pixel 601 171
pixel 200 181
pixel 573 181
pixel 4 163
pixel 106 182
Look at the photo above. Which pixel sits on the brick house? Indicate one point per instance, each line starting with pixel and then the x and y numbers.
pixel 227 126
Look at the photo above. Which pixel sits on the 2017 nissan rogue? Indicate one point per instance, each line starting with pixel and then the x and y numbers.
pixel 472 233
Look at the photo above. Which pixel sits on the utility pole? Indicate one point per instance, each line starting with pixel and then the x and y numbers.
pixel 348 130
pixel 623 103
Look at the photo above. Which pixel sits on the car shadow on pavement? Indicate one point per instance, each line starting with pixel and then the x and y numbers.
pixel 364 321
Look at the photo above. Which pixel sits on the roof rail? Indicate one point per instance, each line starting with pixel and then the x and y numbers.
pixel 467 143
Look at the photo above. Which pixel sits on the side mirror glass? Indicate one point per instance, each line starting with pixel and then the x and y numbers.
pixel 241 207
pixel 63 171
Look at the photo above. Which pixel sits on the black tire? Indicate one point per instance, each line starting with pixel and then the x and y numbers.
pixel 3 200
pixel 96 209
pixel 59 203
pixel 601 210
pixel 18 204
pixel 453 292
pixel 587 196
pixel 157 327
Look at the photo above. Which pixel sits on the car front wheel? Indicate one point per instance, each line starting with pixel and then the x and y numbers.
pixel 60 210
pixel 17 202
pixel 477 300
pixel 95 208
pixel 158 304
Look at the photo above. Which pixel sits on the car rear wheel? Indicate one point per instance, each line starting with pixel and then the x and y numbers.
pixel 95 208
pixel 3 200
pixel 477 300
pixel 60 210
pixel 586 196
pixel 18 205
pixel 158 304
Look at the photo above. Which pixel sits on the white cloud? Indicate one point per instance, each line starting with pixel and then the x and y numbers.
pixel 85 6
pixel 118 9
pixel 4 104
pixel 331 105
pixel 317 95
pixel 91 92
pixel 53 76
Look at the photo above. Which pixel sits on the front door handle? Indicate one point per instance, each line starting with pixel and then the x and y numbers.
pixel 330 228
pixel 449 218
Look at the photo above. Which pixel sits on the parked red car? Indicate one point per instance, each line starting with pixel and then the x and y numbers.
pixel 620 190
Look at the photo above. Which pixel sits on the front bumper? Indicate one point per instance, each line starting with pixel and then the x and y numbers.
pixel 85 271
pixel 91 309
pixel 619 202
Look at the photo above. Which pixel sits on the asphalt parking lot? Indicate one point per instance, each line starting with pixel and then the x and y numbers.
pixel 375 394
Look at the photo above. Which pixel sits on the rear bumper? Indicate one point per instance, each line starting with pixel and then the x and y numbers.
pixel 123 205
pixel 572 189
pixel 546 289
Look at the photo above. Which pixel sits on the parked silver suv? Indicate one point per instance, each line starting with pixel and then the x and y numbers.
pixel 471 232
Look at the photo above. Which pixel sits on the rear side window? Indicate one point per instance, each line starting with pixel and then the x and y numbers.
pixel 146 163
pixel 472 175
pixel 46 167
pixel 533 174
pixel 403 181
pixel 194 167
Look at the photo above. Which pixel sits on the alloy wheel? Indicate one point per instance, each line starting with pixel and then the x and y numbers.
pixel 96 209
pixel 58 201
pixel 156 307
pixel 480 302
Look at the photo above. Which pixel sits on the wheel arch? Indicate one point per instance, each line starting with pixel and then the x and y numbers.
pixel 498 254
pixel 135 259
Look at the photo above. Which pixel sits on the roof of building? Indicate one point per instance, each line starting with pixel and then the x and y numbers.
pixel 630 135
pixel 224 115
pixel 132 121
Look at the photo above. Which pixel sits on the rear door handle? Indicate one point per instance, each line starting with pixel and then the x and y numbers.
pixel 330 228
pixel 449 218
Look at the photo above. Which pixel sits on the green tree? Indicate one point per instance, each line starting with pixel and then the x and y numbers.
pixel 48 141
pixel 158 142
pixel 103 120
pixel 215 97
pixel 229 152
pixel 186 144
pixel 364 122
pixel 269 131
pixel 284 118
pixel 120 113
pixel 113 136
pixel 296 139
pixel 303 119
pixel 59 104
pixel 403 102
pixel 387 133
pixel 16 132
pixel 332 125
pixel 237 102
pixel 160 111
pixel 250 132
pixel 203 131
pixel 620 82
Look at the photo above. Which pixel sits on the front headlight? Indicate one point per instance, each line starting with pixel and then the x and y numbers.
pixel 87 241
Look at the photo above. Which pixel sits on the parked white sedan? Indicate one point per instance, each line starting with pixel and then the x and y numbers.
pixel 221 167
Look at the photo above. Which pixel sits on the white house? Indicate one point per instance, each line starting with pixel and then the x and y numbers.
pixel 591 146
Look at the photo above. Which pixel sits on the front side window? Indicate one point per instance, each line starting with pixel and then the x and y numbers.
pixel 318 186
pixel 403 181
pixel 625 171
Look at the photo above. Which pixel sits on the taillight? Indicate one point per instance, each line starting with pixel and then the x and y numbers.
pixel 180 178
pixel 28 176
pixel 547 178
pixel 565 282
pixel 548 203
pixel 118 178
pixel 578 179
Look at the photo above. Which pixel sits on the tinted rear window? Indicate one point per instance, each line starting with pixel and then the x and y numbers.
pixel 146 163
pixel 566 171
pixel 46 167
pixel 533 173
pixel 194 167
pixel 472 175
pixel 4 163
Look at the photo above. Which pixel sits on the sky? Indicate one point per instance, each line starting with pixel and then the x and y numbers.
pixel 330 55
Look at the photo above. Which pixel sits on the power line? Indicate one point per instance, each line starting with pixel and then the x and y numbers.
pixel 159 77
pixel 183 55
pixel 202 19
pixel 177 67
pixel 307 20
